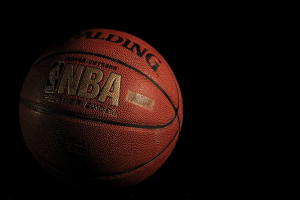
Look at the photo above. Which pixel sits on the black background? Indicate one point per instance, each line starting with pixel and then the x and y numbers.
pixel 231 64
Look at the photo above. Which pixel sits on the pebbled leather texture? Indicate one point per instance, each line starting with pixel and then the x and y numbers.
pixel 92 144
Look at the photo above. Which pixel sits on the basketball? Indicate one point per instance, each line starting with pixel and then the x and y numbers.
pixel 101 109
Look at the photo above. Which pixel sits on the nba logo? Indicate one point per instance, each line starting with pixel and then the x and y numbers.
pixel 51 85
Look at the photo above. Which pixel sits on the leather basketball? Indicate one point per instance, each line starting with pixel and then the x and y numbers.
pixel 101 110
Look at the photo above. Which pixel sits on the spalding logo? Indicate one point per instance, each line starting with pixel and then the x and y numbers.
pixel 150 58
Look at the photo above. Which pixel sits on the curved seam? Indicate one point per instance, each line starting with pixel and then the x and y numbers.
pixel 120 62
pixel 112 174
pixel 43 108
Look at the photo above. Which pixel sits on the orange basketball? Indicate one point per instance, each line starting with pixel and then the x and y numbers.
pixel 101 109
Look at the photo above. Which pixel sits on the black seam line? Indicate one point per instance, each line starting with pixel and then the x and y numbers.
pixel 43 108
pixel 122 63
pixel 114 174
pixel 178 94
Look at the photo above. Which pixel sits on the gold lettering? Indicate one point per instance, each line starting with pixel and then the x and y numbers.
pixel 88 81
pixel 51 85
pixel 113 83
pixel 69 79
